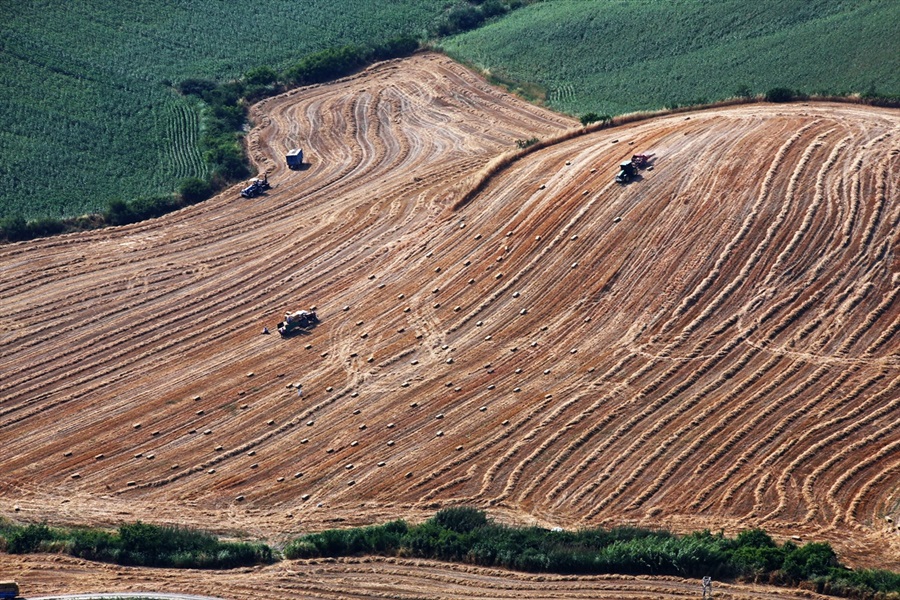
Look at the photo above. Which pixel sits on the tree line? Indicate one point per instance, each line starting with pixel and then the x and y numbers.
pixel 464 534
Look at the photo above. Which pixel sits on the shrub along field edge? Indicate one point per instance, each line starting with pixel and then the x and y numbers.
pixel 466 535
pixel 135 544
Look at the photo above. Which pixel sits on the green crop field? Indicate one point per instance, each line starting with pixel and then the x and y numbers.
pixel 88 112
pixel 617 56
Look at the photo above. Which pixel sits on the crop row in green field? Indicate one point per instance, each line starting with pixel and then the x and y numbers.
pixel 617 56
pixel 89 112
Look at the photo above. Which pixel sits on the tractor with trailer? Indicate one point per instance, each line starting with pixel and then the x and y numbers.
pixel 296 321
pixel 257 186
pixel 294 158
pixel 9 590
pixel 630 169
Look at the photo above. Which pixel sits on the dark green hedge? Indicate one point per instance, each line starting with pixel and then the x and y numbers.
pixel 138 544
pixel 466 535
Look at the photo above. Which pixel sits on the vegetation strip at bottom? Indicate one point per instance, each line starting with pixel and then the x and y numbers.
pixel 466 535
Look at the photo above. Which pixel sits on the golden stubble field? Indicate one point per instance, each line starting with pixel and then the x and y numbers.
pixel 710 346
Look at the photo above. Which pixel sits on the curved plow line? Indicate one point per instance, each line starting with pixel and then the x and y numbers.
pixel 811 211
pixel 615 436
pixel 880 200
pixel 874 316
pixel 622 431
pixel 789 319
pixel 781 427
pixel 810 480
pixel 760 249
pixel 516 474
pixel 462 479
pixel 477 451
pixel 729 444
pixel 790 444
pixel 562 432
pixel 679 461
pixel 776 432
pixel 842 434
pixel 865 492
pixel 491 472
pixel 635 474
pixel 241 449
pixel 583 438
pixel 889 450
pixel 528 267
pixel 779 327
pixel 746 226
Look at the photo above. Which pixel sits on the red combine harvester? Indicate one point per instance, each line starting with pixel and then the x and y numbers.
pixel 628 170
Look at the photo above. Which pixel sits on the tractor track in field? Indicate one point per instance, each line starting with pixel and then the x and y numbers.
pixel 711 346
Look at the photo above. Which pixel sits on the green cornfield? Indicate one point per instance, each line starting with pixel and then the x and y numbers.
pixel 88 107
pixel 618 56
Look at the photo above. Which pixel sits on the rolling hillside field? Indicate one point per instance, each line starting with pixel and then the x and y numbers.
pixel 89 113
pixel 618 56
pixel 711 346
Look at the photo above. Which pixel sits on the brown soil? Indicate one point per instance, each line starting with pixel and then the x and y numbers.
pixel 376 577
pixel 710 346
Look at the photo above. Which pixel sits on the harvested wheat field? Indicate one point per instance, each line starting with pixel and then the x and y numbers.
pixel 709 346
pixel 375 577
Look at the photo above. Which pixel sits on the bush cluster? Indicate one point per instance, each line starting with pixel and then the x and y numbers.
pixel 466 535
pixel 138 544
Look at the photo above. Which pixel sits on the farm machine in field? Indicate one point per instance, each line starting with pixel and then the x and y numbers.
pixel 257 186
pixel 296 321
pixel 630 169
pixel 9 590
pixel 294 158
